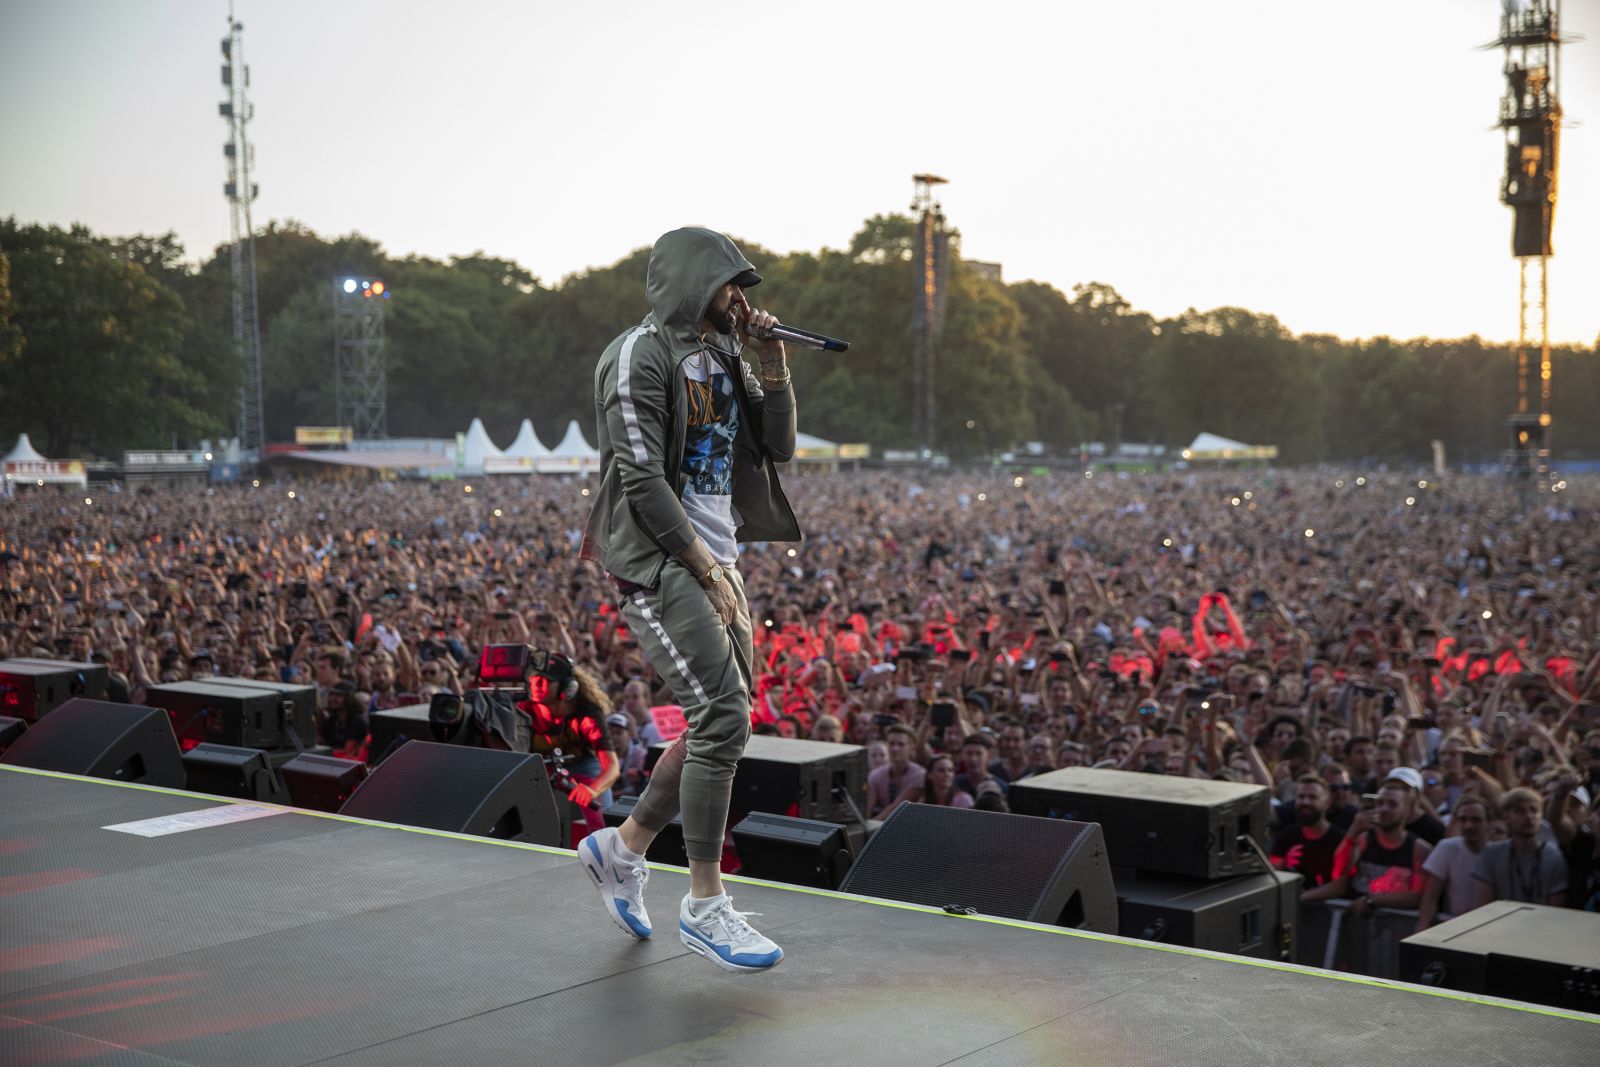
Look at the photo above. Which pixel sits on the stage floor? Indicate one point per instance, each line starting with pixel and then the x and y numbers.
pixel 300 938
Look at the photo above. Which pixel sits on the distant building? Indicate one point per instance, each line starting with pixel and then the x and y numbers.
pixel 982 269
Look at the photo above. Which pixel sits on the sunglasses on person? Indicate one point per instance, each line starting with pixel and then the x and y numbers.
pixel 1341 787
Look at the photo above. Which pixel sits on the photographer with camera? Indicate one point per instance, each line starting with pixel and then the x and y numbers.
pixel 568 708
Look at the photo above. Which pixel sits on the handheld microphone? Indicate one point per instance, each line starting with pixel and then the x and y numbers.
pixel 803 338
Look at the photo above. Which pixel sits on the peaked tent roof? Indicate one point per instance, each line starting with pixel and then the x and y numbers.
pixel 574 444
pixel 1215 446
pixel 23 452
pixel 478 447
pixel 527 445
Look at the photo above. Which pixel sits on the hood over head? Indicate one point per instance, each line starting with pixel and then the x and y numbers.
pixel 687 267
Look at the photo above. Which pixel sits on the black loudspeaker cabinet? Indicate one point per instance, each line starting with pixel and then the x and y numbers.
pixel 1251 915
pixel 785 776
pixel 797 851
pixel 1526 952
pixel 97 739
pixel 32 688
pixel 227 714
pixel 226 771
pixel 668 844
pixel 481 791
pixel 10 730
pixel 299 706
pixel 1155 823
pixel 385 728
pixel 1048 871
pixel 320 782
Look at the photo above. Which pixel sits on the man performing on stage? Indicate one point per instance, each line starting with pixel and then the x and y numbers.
pixel 688 437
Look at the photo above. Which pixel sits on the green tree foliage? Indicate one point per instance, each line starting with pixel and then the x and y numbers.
pixel 107 344
pixel 98 366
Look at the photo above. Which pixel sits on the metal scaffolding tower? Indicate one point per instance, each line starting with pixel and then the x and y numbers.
pixel 358 355
pixel 1530 114
pixel 933 250
pixel 241 191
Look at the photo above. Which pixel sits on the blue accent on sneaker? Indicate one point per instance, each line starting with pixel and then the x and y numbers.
pixel 740 961
pixel 627 916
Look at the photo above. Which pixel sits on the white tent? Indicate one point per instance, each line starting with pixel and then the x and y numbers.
pixel 573 454
pixel 24 465
pixel 477 448
pixel 527 445
pixel 24 452
pixel 1210 446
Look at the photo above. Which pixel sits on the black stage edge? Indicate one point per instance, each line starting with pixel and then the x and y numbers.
pixel 303 938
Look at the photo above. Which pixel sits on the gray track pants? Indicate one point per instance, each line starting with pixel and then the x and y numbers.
pixel 707 665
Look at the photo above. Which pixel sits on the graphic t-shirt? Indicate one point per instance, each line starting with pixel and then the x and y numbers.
pixel 708 456
pixel 582 734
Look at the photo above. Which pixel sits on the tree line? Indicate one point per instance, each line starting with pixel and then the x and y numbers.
pixel 110 343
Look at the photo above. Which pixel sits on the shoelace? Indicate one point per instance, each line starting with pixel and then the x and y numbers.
pixel 740 929
pixel 640 873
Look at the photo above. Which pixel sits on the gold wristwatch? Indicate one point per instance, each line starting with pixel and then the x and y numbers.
pixel 714 575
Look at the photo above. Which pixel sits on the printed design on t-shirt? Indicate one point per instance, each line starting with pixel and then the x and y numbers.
pixel 713 425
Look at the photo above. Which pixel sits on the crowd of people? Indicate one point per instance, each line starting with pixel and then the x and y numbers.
pixel 1409 663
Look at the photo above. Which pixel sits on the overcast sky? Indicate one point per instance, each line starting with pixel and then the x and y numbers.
pixel 1333 164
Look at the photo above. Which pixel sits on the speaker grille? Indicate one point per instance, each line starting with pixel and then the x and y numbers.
pixel 99 739
pixel 997 863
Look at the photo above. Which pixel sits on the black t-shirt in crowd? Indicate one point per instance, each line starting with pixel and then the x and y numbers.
pixel 1309 857
pixel 1426 827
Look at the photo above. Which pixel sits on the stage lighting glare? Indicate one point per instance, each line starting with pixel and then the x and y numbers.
pixel 793 553
pixel 982 497
pixel 1016 483
pixel 349 285
pixel 208 457
pixel 291 494
pixel 498 513
pixel 1166 542
pixel 255 483
pixel 377 288
pixel 1487 614
pixel 1410 500
pixel 1310 532
pixel 1361 481
pixel 88 500
pixel 366 285
pixel 586 492
pixel 1234 501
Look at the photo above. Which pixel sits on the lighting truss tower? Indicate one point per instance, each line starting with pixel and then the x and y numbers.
pixel 241 191
pixel 358 355
pixel 1530 114
pixel 932 255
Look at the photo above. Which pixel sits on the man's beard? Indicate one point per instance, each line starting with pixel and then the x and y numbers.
pixel 1308 816
pixel 726 322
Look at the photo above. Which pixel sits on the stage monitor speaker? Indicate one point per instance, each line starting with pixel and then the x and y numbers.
pixel 10 730
pixel 226 771
pixel 321 783
pixel 1252 915
pixel 481 791
pixel 805 779
pixel 1155 823
pixel 225 713
pixel 32 688
pixel 668 844
pixel 299 704
pixel 97 739
pixel 797 851
pixel 1526 952
pixel 1048 871
pixel 387 730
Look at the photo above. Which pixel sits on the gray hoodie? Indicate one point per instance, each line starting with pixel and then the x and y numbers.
pixel 641 406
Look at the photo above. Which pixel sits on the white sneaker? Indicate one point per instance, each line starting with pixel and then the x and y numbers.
pixel 621 883
pixel 721 935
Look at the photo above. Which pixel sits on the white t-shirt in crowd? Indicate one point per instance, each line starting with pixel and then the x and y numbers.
pixel 1452 862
